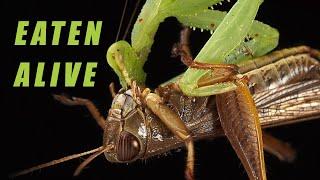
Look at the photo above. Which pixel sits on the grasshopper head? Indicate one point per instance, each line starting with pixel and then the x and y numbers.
pixel 126 129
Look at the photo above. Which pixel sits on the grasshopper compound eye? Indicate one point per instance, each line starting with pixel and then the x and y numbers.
pixel 128 147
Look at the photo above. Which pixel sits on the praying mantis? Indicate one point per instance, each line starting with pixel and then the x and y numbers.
pixel 225 46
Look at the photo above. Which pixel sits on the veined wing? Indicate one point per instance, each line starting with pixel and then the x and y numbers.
pixel 289 104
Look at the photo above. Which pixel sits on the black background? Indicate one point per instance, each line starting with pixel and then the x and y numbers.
pixel 38 129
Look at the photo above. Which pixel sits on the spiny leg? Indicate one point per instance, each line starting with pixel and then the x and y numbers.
pixel 75 101
pixel 275 56
pixel 182 49
pixel 222 72
pixel 283 151
pixel 175 124
pixel 112 89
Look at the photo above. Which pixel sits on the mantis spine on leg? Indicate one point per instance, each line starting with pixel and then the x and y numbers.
pixel 127 61
pixel 224 40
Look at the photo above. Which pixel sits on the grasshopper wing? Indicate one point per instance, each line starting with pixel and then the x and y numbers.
pixel 289 104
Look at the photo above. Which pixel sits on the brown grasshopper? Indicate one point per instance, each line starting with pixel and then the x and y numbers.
pixel 285 86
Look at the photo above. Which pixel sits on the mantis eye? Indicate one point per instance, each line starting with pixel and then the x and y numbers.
pixel 128 147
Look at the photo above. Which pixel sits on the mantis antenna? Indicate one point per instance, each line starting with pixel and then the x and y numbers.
pixel 97 152
pixel 131 19
pixel 122 16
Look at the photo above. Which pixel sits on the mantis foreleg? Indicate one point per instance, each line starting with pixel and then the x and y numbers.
pixel 260 39
pixel 219 46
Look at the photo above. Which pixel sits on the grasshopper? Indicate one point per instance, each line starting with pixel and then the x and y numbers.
pixel 213 97
pixel 133 132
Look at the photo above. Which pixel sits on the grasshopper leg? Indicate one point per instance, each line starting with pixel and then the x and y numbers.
pixel 283 151
pixel 175 124
pixel 75 101
pixel 238 115
pixel 182 48
pixel 112 90
pixel 240 122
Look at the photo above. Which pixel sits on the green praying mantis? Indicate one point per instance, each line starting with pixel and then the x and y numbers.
pixel 224 46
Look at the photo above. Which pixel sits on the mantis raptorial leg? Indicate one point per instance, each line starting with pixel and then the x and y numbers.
pixel 225 46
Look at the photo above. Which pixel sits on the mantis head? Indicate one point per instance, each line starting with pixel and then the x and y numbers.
pixel 126 64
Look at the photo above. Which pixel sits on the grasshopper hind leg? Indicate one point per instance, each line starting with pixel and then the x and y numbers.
pixel 282 150
pixel 182 49
pixel 237 111
pixel 240 123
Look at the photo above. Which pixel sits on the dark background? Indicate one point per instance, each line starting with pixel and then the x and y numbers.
pixel 37 129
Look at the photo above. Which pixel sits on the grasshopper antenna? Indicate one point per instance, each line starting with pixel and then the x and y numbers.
pixel 88 160
pixel 131 19
pixel 112 90
pixel 97 152
pixel 121 21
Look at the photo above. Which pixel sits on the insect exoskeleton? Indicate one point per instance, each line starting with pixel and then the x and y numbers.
pixel 125 129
